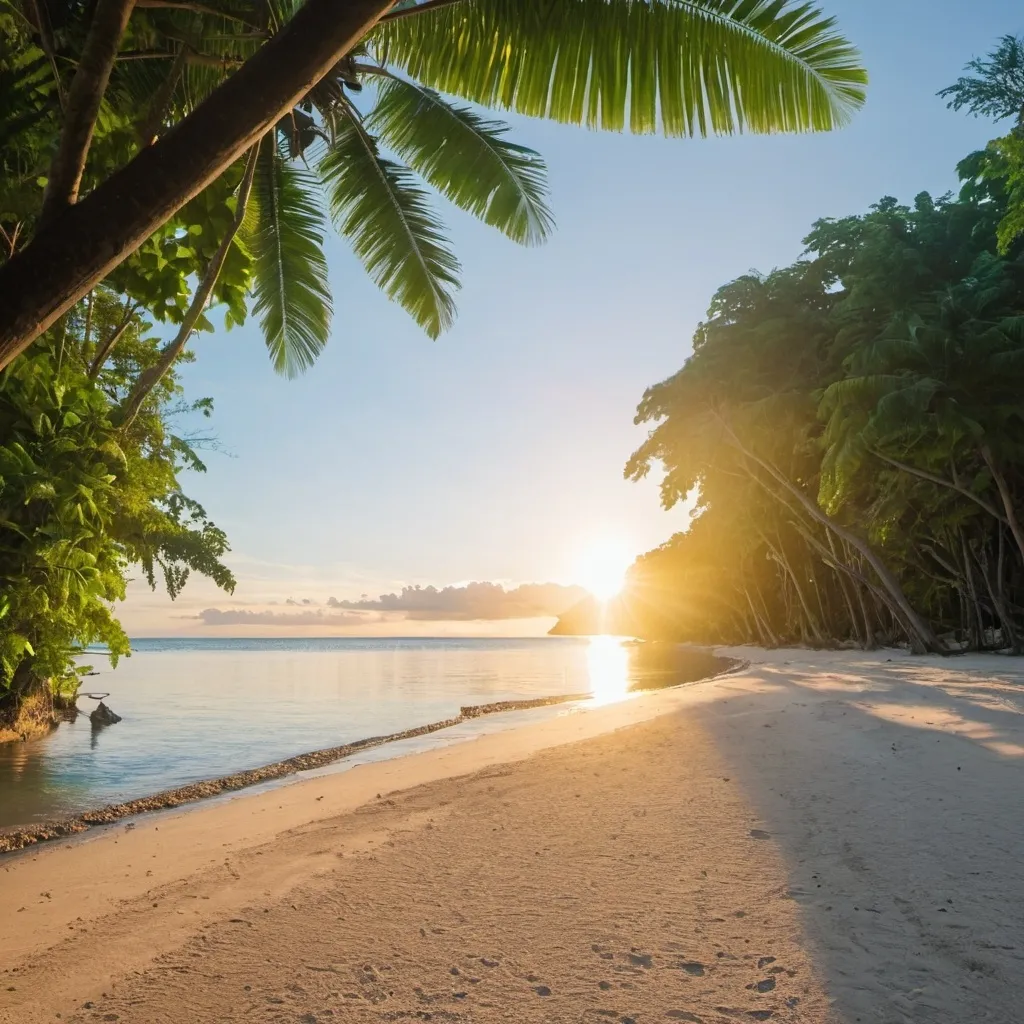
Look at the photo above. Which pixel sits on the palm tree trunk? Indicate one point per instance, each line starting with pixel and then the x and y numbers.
pixel 869 631
pixel 850 611
pixel 783 562
pixel 768 638
pixel 1006 497
pixel 81 244
pixel 1008 629
pixel 921 635
pixel 841 579
pixel 978 621
pixel 109 20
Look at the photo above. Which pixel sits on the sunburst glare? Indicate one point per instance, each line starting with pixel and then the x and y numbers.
pixel 602 569
pixel 608 668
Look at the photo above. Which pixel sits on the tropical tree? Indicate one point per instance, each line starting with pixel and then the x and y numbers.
pixel 699 67
pixel 85 503
pixel 995 89
pixel 853 428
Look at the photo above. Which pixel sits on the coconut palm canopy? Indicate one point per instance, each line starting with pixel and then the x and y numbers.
pixel 389 123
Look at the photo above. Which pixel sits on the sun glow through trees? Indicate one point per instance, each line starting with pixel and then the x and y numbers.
pixel 602 568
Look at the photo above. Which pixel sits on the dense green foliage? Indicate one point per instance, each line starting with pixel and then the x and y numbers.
pixel 854 427
pixel 85 503
pixel 684 69
pixel 89 462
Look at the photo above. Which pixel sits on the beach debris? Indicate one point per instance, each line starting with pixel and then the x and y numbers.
pixel 103 715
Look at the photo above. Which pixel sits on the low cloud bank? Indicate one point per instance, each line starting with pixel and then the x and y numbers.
pixel 472 601
pixel 242 617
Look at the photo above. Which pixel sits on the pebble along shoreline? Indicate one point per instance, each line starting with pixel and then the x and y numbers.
pixel 19 837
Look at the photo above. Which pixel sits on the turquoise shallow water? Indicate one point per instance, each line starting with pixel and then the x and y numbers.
pixel 199 708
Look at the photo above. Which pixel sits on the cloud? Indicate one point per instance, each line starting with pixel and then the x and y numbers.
pixel 242 617
pixel 472 601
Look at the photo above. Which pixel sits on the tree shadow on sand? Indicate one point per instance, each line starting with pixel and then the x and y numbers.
pixel 895 795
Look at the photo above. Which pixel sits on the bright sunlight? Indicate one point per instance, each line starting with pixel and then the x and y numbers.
pixel 602 568
pixel 608 668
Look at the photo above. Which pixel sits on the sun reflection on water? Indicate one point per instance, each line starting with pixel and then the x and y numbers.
pixel 608 668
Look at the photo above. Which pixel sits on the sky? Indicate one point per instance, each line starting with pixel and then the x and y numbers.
pixel 495 454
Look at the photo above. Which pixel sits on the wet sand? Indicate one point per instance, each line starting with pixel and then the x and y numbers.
pixel 820 837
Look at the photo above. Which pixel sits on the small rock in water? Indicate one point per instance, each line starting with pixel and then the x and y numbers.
pixel 104 716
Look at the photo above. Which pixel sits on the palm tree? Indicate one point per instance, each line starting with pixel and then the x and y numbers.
pixel 682 67
pixel 377 204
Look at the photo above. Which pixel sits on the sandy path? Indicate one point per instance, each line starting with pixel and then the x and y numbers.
pixel 820 838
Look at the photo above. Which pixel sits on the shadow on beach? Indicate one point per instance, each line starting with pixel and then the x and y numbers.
pixel 895 795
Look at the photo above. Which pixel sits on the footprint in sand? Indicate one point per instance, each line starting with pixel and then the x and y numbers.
pixel 694 968
pixel 641 960
pixel 542 990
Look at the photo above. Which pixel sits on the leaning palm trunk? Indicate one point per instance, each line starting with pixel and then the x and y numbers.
pixel 779 555
pixel 109 20
pixel 922 637
pixel 1012 519
pixel 695 68
pixel 84 242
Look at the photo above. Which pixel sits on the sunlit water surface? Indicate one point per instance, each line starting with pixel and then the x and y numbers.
pixel 197 709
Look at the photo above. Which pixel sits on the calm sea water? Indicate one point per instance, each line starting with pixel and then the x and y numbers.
pixel 196 709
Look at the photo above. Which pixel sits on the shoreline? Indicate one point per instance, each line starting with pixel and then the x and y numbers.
pixel 814 837
pixel 20 837
pixel 16 838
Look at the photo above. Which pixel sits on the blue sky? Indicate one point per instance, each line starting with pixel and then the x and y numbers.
pixel 496 452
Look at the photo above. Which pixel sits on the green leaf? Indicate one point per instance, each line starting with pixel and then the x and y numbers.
pixel 686 67
pixel 293 299
pixel 466 158
pixel 379 207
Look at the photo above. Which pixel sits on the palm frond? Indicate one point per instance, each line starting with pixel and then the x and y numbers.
pixel 293 299
pixel 688 67
pixel 377 204
pixel 466 158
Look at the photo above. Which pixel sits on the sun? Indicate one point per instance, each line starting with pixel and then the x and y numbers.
pixel 602 569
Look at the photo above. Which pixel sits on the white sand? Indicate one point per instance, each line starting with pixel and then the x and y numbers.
pixel 822 837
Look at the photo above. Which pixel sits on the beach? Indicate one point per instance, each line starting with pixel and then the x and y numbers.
pixel 819 836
